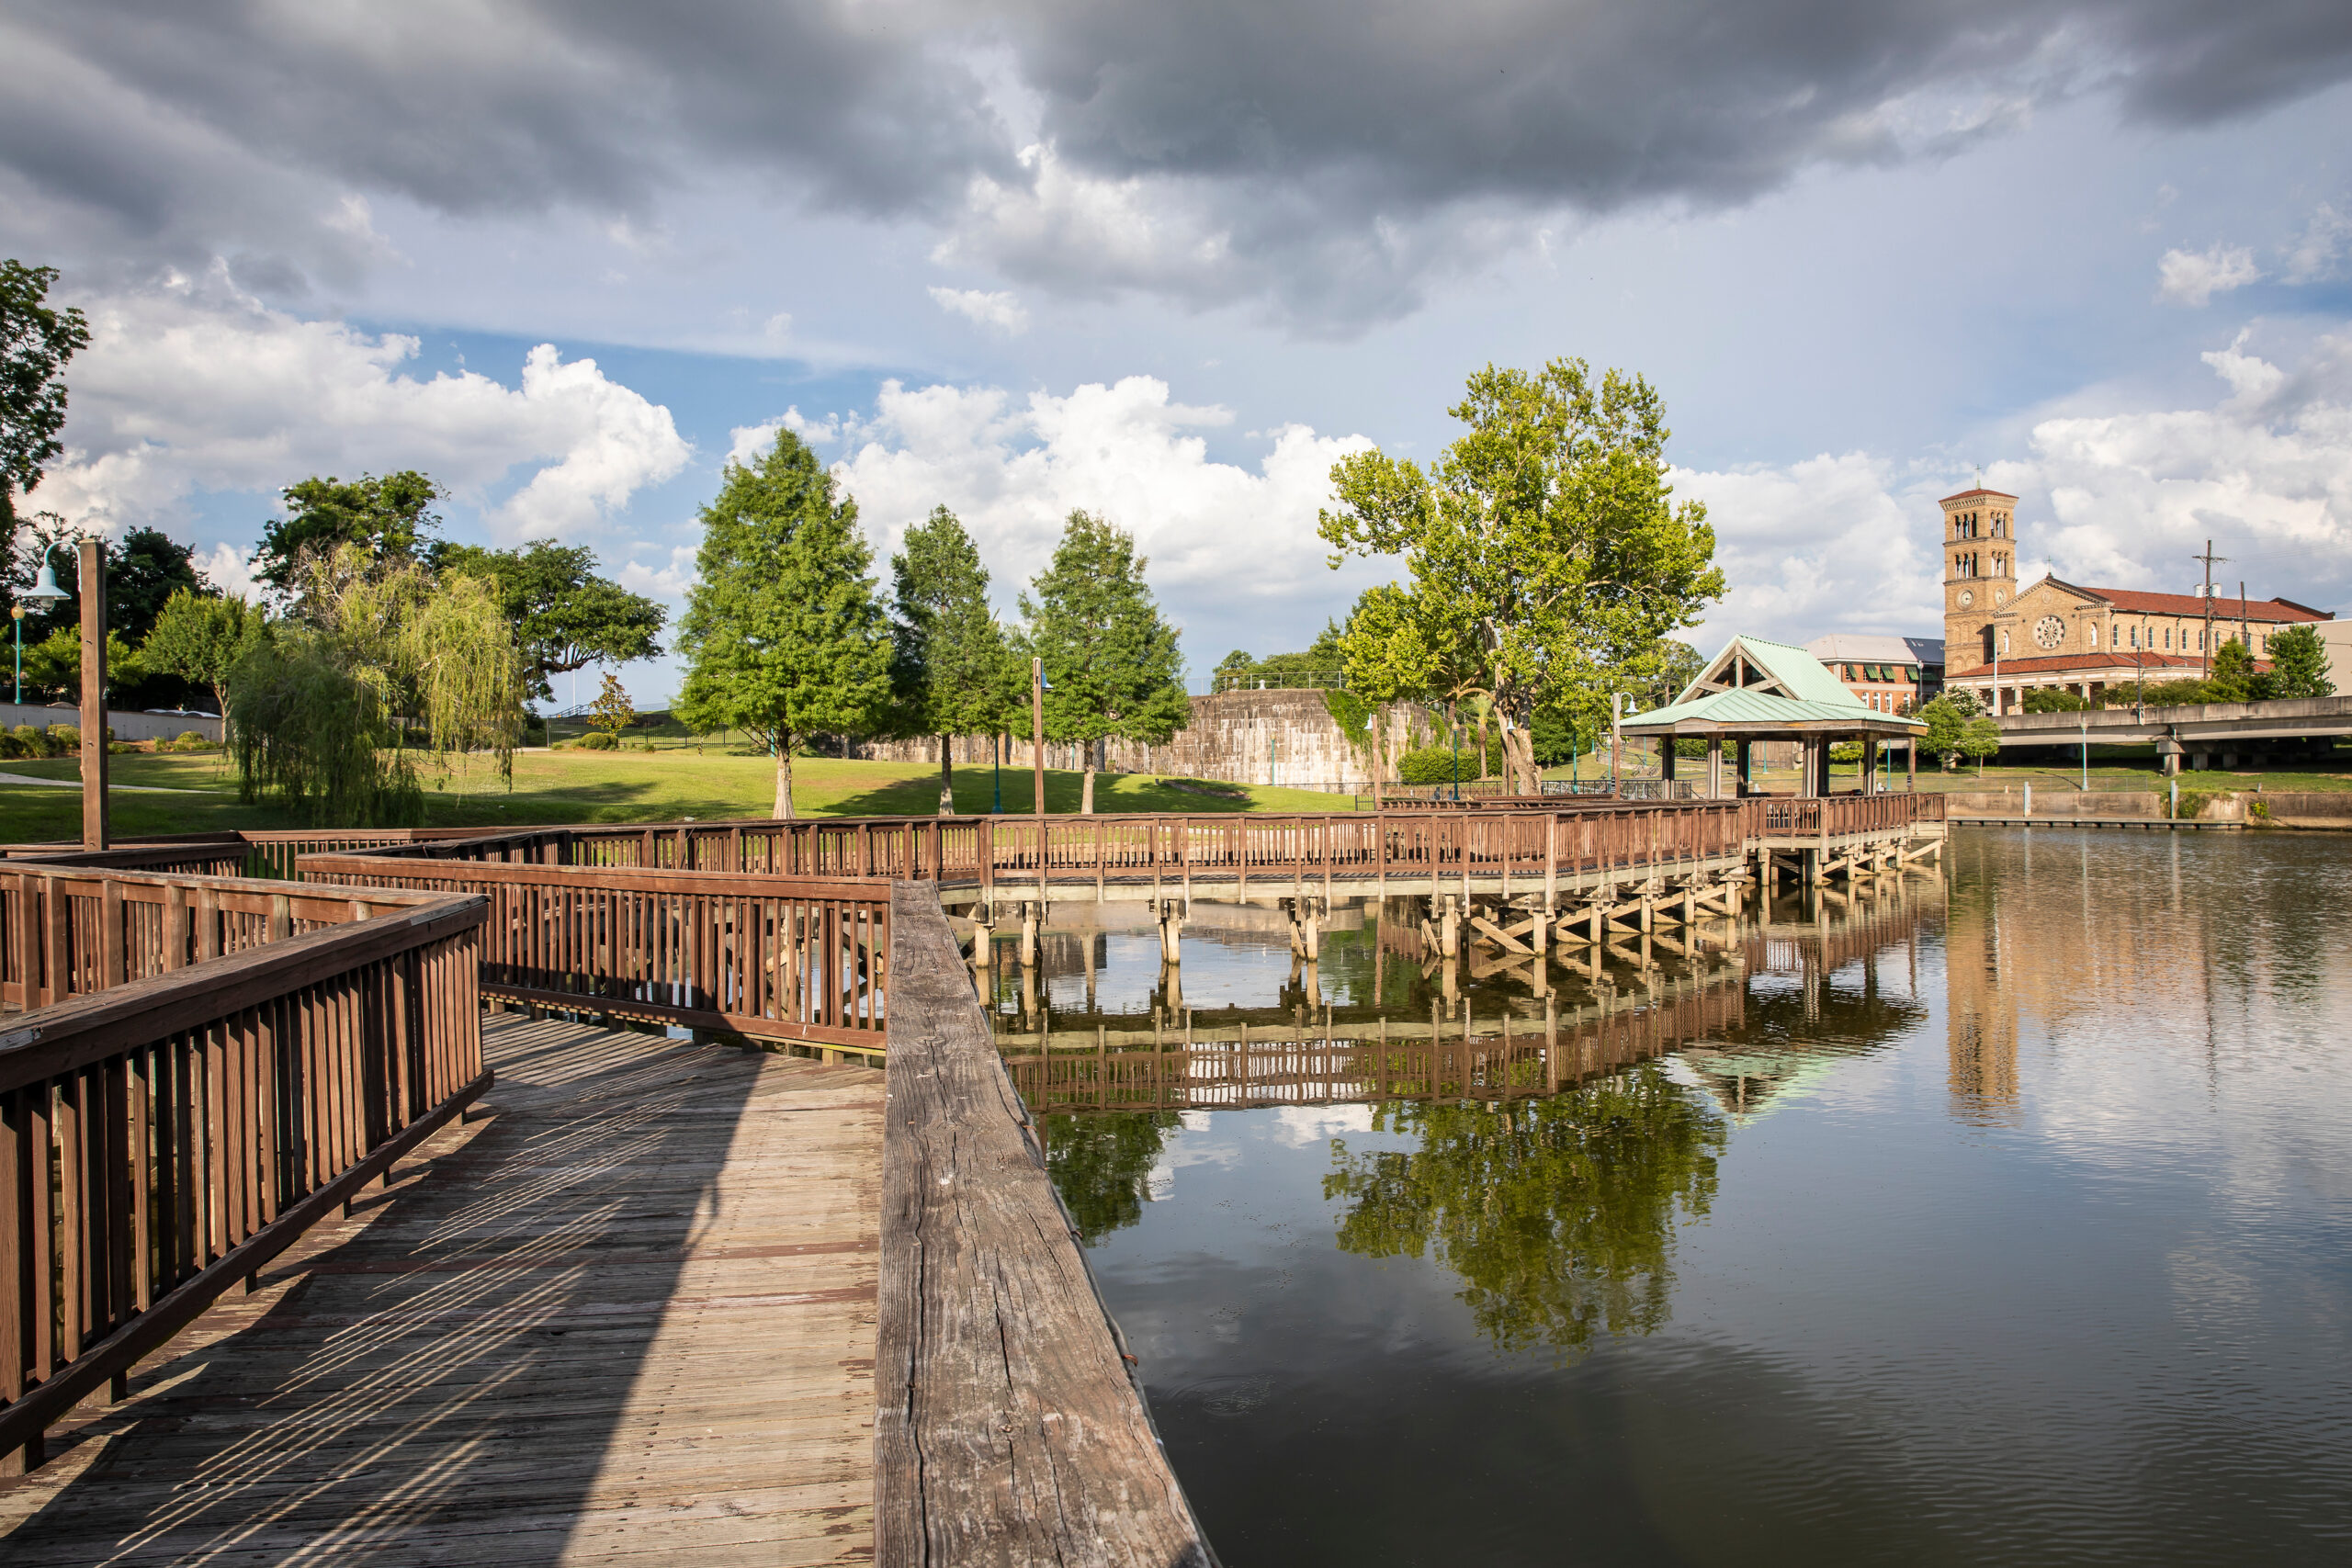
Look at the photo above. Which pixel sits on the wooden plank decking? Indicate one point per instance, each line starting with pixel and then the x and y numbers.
pixel 627 1315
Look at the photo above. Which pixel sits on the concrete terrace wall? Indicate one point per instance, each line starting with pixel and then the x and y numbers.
pixel 127 726
pixel 1271 737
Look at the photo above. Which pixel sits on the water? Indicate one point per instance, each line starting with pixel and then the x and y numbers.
pixel 2001 1214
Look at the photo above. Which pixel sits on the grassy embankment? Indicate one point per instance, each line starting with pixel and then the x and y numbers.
pixel 602 787
pixel 675 782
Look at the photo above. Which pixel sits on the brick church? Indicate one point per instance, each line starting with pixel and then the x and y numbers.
pixel 2000 643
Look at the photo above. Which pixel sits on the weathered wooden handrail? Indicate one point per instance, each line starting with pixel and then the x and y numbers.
pixel 167 1135
pixel 1010 1427
pixel 774 958
pixel 67 930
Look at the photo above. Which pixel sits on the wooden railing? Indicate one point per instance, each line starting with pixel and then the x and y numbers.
pixel 1788 817
pixel 774 958
pixel 1010 1426
pixel 171 1132
pixel 1135 851
pixel 68 931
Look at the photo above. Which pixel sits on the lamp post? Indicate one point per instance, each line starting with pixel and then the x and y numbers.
pixel 94 693
pixel 44 589
pixel 1038 742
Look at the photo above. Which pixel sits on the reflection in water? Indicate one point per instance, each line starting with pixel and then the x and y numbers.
pixel 1995 1216
pixel 1555 1214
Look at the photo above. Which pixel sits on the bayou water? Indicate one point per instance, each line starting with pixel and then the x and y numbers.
pixel 1997 1212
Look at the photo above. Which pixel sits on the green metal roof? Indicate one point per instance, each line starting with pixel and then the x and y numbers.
pixel 1823 700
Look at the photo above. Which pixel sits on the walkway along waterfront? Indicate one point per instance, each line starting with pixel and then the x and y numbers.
pixel 209 1071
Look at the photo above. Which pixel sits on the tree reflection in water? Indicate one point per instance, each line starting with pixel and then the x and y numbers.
pixel 1555 1214
pixel 1099 1164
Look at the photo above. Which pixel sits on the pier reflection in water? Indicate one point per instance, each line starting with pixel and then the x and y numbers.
pixel 1972 1217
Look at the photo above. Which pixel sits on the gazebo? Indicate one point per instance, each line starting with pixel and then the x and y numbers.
pixel 1755 689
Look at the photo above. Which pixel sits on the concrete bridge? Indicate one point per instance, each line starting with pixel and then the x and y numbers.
pixel 2206 734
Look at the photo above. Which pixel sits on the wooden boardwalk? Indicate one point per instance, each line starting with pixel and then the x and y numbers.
pixel 628 1314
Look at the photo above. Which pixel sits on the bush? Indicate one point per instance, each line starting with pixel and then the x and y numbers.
pixel 2054 699
pixel 31 740
pixel 596 740
pixel 10 746
pixel 68 738
pixel 192 740
pixel 2171 693
pixel 1437 764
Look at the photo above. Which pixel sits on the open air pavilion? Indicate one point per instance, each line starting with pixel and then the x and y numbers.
pixel 1757 690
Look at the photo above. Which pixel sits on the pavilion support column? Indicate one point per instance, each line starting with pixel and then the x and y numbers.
pixel 1665 762
pixel 1911 764
pixel 1714 767
pixel 1870 764
pixel 1739 785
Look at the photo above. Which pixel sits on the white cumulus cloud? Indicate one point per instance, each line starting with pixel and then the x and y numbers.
pixel 192 387
pixel 2123 500
pixel 2318 256
pixel 1233 550
pixel 2193 277
pixel 999 312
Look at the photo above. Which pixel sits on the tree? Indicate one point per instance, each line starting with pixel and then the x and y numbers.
pixel 567 616
pixel 1544 558
pixel 1236 671
pixel 53 665
pixel 1979 738
pixel 36 340
pixel 1112 665
pixel 2232 678
pixel 1947 719
pixel 1556 737
pixel 950 672
pixel 1672 667
pixel 2298 664
pixel 612 712
pixel 783 635
pixel 386 518
pixel 2056 699
pixel 199 640
pixel 330 713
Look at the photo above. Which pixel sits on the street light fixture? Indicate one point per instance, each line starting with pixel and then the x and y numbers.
pixel 44 589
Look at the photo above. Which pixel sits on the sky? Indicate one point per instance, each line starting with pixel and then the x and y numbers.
pixel 1169 262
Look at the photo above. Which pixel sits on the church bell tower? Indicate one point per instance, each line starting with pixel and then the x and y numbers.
pixel 1980 577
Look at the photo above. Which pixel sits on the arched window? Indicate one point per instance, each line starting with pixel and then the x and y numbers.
pixel 2094 635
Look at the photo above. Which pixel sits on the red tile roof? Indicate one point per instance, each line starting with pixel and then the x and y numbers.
pixel 1997 494
pixel 2225 608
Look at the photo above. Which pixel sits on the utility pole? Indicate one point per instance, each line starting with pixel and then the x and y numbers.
pixel 2246 627
pixel 2211 560
pixel 1037 742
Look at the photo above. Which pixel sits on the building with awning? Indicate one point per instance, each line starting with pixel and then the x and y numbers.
pixel 1756 690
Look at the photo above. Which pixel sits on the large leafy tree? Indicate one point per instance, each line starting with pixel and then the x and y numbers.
pixel 567 615
pixel 2298 664
pixel 36 340
pixel 1112 665
pixel 389 518
pixel 389 666
pixel 951 671
pixel 200 637
pixel 1544 558
pixel 783 636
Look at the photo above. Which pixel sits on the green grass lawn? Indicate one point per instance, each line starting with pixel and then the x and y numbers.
pixel 603 786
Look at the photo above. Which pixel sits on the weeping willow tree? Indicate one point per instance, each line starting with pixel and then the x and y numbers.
pixel 389 676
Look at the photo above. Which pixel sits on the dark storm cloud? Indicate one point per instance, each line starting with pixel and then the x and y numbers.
pixel 1304 145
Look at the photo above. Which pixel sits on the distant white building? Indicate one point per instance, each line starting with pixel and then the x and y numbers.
pixel 1885 672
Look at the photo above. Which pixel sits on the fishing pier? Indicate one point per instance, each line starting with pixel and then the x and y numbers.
pixel 411 1193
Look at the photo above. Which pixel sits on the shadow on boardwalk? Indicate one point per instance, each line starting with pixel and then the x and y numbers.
pixel 629 1315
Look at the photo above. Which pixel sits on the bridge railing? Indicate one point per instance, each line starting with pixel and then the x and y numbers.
pixel 69 931
pixel 1780 816
pixel 772 957
pixel 174 1129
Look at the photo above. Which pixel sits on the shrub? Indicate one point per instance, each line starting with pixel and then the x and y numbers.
pixel 68 738
pixel 32 740
pixel 192 740
pixel 2054 699
pixel 1437 764
pixel 2170 694
pixel 10 746
pixel 596 740
pixel 1846 752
